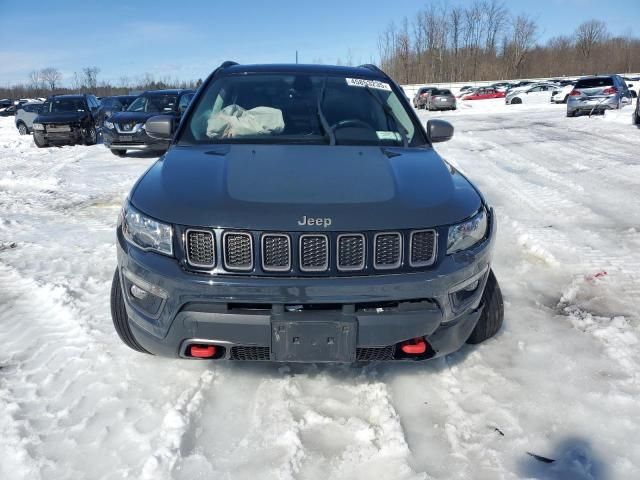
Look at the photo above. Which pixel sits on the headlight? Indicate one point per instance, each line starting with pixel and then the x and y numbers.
pixel 108 124
pixel 146 233
pixel 467 234
pixel 38 126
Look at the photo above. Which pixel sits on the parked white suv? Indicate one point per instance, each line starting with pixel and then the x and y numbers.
pixel 26 114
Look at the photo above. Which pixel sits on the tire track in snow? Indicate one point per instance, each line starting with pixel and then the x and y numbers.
pixel 316 423
pixel 179 419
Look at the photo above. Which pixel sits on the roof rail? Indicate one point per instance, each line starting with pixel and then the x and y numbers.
pixel 375 68
pixel 222 66
pixel 228 63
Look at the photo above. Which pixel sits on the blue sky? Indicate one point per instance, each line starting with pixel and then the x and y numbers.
pixel 188 39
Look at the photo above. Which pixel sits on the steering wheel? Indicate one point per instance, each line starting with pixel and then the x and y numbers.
pixel 351 122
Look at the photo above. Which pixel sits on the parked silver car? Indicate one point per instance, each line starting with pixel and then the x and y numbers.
pixel 597 94
pixel 25 115
pixel 441 99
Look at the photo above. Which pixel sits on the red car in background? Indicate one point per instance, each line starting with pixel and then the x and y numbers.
pixel 483 93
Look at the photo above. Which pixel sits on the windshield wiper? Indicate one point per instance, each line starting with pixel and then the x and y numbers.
pixel 389 113
pixel 323 120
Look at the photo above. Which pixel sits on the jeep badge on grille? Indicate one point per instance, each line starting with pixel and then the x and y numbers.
pixel 319 221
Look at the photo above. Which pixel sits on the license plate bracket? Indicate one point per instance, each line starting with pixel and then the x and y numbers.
pixel 297 338
pixel 59 129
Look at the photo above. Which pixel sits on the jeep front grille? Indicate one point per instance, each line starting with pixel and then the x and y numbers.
pixel 351 252
pixel 423 248
pixel 314 253
pixel 201 250
pixel 238 251
pixel 276 252
pixel 309 254
pixel 388 250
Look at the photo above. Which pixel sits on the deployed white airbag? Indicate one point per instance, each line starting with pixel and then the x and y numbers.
pixel 235 121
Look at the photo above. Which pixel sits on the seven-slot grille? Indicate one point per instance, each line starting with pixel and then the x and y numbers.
pixel 309 252
pixel 276 252
pixel 351 252
pixel 388 250
pixel 201 250
pixel 238 251
pixel 423 248
pixel 314 253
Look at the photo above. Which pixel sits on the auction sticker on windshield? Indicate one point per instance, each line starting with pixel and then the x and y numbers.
pixel 360 82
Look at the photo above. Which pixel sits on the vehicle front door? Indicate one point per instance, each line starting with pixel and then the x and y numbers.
pixel 30 113
pixel 92 107
pixel 627 98
pixel 539 94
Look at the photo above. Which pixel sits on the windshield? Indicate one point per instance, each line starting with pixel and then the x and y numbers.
pixel 300 108
pixel 64 105
pixel 157 103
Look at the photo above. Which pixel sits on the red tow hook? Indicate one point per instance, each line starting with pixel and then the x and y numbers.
pixel 416 346
pixel 202 351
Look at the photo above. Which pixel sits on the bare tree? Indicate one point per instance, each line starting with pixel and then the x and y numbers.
pixel 455 20
pixel 91 77
pixel 51 76
pixel 523 37
pixel 36 82
pixel 588 35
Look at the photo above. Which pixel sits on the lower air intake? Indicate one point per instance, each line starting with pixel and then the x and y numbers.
pixel 375 354
pixel 250 353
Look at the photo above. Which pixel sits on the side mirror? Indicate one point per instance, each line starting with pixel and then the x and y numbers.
pixel 160 127
pixel 439 131
pixel 629 84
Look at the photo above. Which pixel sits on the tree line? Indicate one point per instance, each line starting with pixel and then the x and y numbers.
pixel 485 41
pixel 439 43
pixel 49 81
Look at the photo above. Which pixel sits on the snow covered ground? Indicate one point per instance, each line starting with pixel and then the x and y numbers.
pixel 561 380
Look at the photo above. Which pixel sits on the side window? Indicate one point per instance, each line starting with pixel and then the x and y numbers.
pixel 184 102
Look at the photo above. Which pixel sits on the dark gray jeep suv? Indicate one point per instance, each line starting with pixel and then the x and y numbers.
pixel 301 214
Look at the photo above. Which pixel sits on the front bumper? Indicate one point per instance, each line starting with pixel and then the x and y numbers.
pixel 73 136
pixel 241 313
pixel 137 140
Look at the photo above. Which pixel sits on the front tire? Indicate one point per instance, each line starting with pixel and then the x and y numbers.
pixel 516 101
pixel 120 317
pixel 92 136
pixel 492 315
pixel 38 143
pixel 22 129
pixel 119 153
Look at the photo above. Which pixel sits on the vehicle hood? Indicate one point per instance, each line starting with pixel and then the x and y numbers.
pixel 63 117
pixel 133 117
pixel 272 187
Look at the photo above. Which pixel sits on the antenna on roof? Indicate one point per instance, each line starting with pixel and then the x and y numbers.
pixel 296 57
